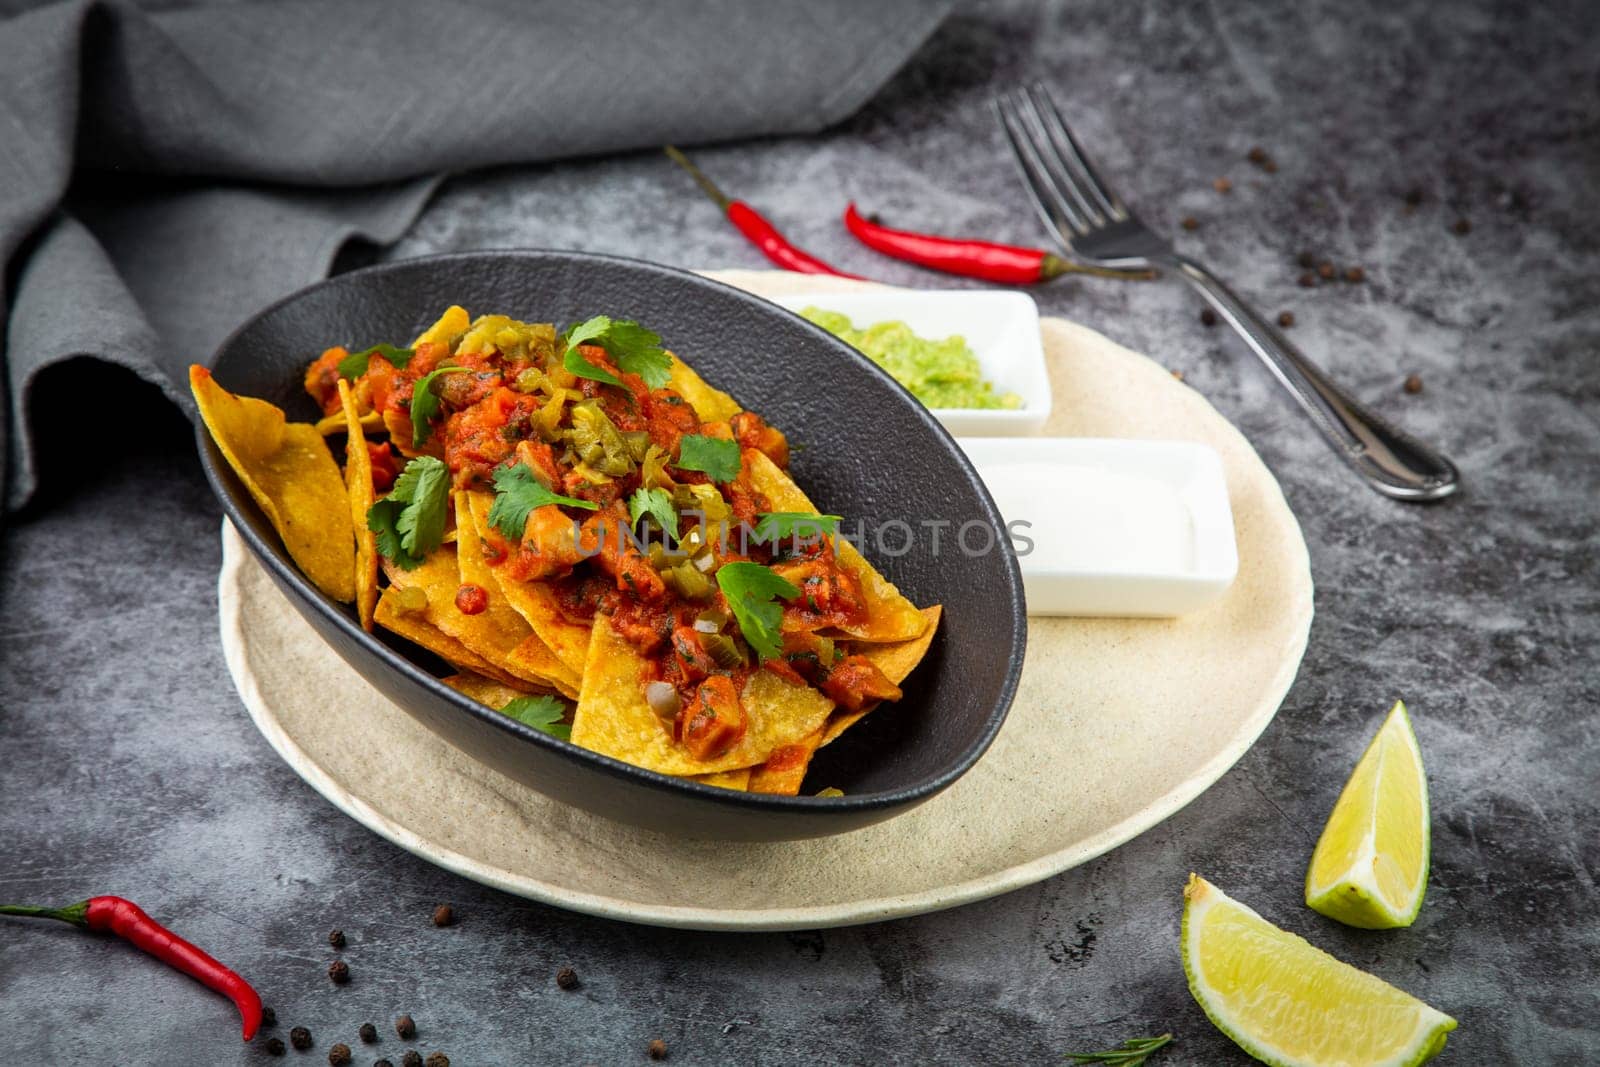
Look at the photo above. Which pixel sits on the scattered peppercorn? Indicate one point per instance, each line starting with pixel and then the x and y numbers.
pixel 412 1058
pixel 1308 280
pixel 1257 155
pixel 336 938
pixel 1354 274
pixel 443 915
pixel 1270 166
pixel 1286 319
pixel 1462 227
pixel 339 1055
pixel 1190 223
pixel 368 1033
pixel 405 1027
pixel 275 1046
pixel 1223 185
pixel 269 1017
pixel 658 1049
pixel 437 1059
pixel 1208 317
pixel 1306 260
pixel 339 971
pixel 1413 383
pixel 567 978
pixel 1325 271
pixel 1413 196
pixel 381 1063
pixel 300 1038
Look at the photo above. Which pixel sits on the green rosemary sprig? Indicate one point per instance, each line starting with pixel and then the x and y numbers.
pixel 1131 1053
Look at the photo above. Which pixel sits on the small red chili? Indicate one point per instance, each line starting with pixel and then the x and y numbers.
pixel 471 599
pixel 1004 264
pixel 750 222
pixel 129 922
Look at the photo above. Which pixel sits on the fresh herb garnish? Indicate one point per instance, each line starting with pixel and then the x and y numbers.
pixel 517 492
pixel 751 590
pixel 354 365
pixel 425 404
pixel 713 455
pixel 656 503
pixel 1131 1053
pixel 543 713
pixel 635 349
pixel 410 521
pixel 774 526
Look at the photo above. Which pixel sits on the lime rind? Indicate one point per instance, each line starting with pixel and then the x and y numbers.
pixel 1429 1036
pixel 1353 897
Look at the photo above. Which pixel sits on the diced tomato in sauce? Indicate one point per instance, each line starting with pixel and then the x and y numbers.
pixel 714 721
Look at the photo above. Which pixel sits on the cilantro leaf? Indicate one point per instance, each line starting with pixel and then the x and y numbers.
pixel 775 526
pixel 543 713
pixel 409 522
pixel 716 457
pixel 354 365
pixel 751 590
pixel 635 349
pixel 656 503
pixel 425 405
pixel 516 493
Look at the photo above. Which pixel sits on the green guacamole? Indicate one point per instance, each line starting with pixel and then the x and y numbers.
pixel 941 374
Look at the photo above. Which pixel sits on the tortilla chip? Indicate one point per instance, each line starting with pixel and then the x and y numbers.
pixel 890 616
pixel 614 719
pixel 484 690
pixel 329 425
pixel 419 631
pixel 537 602
pixel 532 652
pixel 448 330
pixel 710 403
pixel 786 768
pixel 738 780
pixel 358 483
pixel 896 661
pixel 288 470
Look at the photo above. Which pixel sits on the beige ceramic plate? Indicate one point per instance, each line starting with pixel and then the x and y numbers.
pixel 1116 725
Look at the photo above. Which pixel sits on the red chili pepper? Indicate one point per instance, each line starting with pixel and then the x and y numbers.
pixel 129 922
pixel 761 233
pixel 1005 264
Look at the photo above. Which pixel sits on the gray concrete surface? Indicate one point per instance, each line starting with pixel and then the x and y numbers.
pixel 129 765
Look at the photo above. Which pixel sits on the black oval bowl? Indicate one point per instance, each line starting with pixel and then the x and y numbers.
pixel 864 448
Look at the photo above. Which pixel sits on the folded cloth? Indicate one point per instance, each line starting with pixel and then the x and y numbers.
pixel 167 173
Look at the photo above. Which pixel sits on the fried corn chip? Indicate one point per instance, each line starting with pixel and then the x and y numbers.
pixel 786 768
pixel 614 719
pixel 358 484
pixel 419 631
pixel 896 661
pixel 738 780
pixel 890 616
pixel 533 652
pixel 710 403
pixel 448 330
pixel 537 602
pixel 291 475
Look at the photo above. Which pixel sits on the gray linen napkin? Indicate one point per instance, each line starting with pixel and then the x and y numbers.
pixel 167 173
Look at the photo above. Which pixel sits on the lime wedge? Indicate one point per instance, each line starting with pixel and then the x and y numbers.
pixel 1290 1004
pixel 1370 867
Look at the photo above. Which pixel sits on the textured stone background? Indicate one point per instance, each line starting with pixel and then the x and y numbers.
pixel 130 766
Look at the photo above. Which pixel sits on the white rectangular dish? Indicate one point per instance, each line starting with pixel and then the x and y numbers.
pixel 1117 528
pixel 1001 328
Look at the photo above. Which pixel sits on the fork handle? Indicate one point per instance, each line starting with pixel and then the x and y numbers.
pixel 1392 462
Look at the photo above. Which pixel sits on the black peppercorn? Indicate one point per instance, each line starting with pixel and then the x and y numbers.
pixel 437 1059
pixel 1306 260
pixel 658 1049
pixel 339 971
pixel 1208 317
pixel 443 915
pixel 1190 223
pixel 368 1032
pixel 405 1027
pixel 1286 319
pixel 339 1055
pixel 1462 227
pixel 1257 155
pixel 1413 383
pixel 381 1063
pixel 1223 185
pixel 1354 274
pixel 336 938
pixel 567 978
pixel 1325 271
pixel 412 1058
pixel 300 1038
pixel 275 1046
pixel 269 1017
pixel 1308 280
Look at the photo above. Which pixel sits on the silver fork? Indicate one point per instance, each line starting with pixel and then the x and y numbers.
pixel 1094 226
